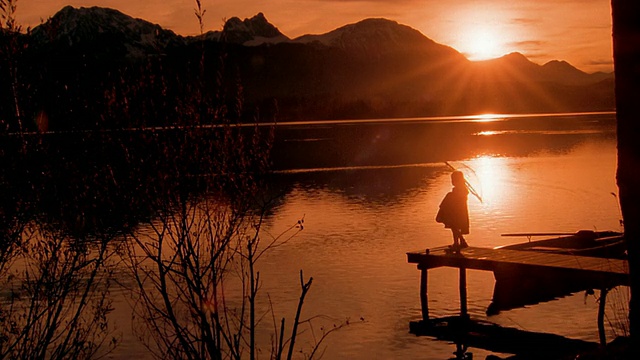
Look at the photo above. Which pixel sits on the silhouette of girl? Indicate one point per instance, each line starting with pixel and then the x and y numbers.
pixel 453 212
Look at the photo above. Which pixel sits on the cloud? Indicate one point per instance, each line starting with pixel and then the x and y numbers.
pixel 535 50
pixel 527 43
pixel 531 48
pixel 601 62
pixel 526 21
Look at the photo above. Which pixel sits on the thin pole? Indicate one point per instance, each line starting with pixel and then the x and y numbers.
pixel 463 293
pixel 424 300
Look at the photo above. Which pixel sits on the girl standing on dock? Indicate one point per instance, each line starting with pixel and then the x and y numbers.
pixel 453 212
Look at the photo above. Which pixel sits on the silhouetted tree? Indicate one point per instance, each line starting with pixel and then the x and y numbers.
pixel 195 262
pixel 54 302
pixel 626 53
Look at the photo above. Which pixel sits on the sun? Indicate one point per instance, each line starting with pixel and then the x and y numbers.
pixel 483 43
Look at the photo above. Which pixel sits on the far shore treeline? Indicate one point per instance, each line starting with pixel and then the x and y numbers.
pixel 96 68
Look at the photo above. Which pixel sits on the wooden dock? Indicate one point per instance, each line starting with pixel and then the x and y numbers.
pixel 598 273
pixel 607 270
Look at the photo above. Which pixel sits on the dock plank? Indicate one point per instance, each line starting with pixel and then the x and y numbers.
pixel 489 259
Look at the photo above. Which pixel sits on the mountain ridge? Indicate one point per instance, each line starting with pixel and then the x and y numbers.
pixel 258 31
pixel 370 69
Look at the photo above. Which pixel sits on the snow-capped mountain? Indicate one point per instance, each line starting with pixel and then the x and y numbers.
pixel 249 32
pixel 73 26
pixel 375 36
pixel 252 32
pixel 80 26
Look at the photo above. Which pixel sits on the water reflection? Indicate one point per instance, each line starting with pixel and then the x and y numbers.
pixel 487 175
pixel 368 186
pixel 363 214
pixel 414 142
pixel 369 193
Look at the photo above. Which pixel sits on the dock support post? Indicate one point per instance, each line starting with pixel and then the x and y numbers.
pixel 463 293
pixel 424 300
pixel 601 309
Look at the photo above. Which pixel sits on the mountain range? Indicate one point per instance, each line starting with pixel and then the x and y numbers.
pixel 373 68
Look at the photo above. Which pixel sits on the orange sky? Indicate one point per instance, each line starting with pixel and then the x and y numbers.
pixel 578 31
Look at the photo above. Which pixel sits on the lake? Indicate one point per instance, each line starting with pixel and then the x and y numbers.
pixel 368 192
pixel 373 193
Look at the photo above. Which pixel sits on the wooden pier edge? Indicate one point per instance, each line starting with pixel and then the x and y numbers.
pixel 608 273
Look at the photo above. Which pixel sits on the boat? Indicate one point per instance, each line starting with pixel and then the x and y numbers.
pixel 518 288
pixel 605 244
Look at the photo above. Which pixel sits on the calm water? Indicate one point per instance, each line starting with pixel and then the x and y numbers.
pixel 369 192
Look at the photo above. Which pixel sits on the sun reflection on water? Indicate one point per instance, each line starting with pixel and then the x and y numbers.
pixel 488 177
pixel 488 117
pixel 489 133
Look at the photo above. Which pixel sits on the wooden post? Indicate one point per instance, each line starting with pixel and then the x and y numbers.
pixel 463 292
pixel 601 309
pixel 424 300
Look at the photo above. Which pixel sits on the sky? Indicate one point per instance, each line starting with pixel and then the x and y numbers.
pixel 576 31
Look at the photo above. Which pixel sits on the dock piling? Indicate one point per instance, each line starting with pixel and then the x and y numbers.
pixel 463 293
pixel 424 297
pixel 594 272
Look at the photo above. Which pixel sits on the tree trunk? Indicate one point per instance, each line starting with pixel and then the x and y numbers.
pixel 626 55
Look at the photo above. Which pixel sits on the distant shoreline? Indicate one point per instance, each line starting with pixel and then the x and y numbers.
pixel 449 118
pixel 439 119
